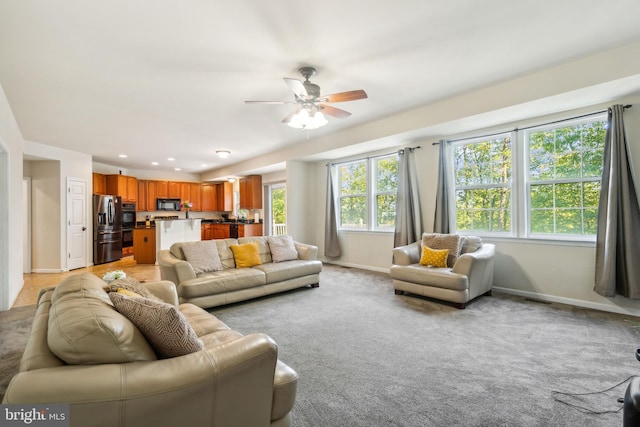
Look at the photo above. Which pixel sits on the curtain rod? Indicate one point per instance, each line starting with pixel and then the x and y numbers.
pixel 533 126
pixel 372 157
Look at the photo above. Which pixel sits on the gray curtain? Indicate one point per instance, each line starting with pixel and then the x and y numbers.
pixel 441 220
pixel 617 244
pixel 408 214
pixel 331 241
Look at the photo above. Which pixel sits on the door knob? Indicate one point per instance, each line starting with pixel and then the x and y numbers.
pixel 84 228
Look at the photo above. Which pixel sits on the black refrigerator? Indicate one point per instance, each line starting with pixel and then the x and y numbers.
pixel 107 228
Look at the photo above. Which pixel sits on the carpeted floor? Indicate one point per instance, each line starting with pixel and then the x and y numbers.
pixel 367 357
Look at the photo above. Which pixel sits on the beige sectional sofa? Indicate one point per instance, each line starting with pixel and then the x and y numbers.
pixel 84 352
pixel 226 283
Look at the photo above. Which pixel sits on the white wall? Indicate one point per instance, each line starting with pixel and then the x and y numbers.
pixel 11 147
pixel 52 252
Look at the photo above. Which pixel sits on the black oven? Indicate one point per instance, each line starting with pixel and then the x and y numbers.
pixel 128 215
pixel 128 224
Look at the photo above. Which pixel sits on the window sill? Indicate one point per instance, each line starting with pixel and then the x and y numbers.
pixel 538 241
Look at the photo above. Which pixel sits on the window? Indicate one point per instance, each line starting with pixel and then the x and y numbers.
pixel 367 193
pixel 563 183
pixel 549 188
pixel 482 170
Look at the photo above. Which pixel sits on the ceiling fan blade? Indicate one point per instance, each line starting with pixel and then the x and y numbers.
pixel 333 111
pixel 352 95
pixel 296 86
pixel 268 102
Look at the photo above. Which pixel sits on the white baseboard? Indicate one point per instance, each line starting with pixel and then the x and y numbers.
pixel 361 267
pixel 569 301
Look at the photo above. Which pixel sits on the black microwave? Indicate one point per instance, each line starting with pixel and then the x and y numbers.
pixel 168 204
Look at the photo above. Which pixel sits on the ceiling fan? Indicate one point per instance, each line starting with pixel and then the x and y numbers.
pixel 310 104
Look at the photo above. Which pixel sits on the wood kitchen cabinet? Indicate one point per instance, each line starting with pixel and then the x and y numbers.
pixel 220 231
pixel 144 245
pixel 249 230
pixel 209 197
pixel 225 197
pixel 162 189
pixel 146 196
pixel 206 231
pixel 251 192
pixel 190 191
pixel 123 186
pixel 99 183
pixel 175 190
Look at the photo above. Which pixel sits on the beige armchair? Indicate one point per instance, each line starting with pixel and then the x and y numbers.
pixel 470 276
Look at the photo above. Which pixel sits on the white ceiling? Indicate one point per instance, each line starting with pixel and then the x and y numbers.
pixel 159 79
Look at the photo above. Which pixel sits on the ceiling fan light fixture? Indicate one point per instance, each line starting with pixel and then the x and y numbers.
pixel 304 120
pixel 223 154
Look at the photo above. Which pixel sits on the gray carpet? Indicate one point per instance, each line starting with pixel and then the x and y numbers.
pixel 367 357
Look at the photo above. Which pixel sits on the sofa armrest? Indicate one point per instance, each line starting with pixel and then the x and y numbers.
pixel 466 262
pixel 209 387
pixel 306 252
pixel 174 269
pixel 407 255
pixel 165 290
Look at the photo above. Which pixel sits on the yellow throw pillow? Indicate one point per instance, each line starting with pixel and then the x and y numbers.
pixel 434 257
pixel 128 293
pixel 246 255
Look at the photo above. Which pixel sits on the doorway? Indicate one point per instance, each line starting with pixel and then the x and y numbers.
pixel 277 209
pixel 76 224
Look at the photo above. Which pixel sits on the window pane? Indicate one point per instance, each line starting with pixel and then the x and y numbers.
pixel 541 196
pixel 569 221
pixel 387 174
pixel 501 220
pixel 542 221
pixel 590 220
pixel 353 212
pixel 591 194
pixel 541 168
pixel 568 195
pixel 353 178
pixel 386 211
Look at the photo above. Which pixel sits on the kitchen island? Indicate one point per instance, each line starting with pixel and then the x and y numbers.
pixel 170 231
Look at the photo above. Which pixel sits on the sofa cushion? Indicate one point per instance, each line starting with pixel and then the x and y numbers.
pixel 166 329
pixel 471 244
pixel 225 252
pixel 286 270
pixel 434 257
pixel 203 256
pixel 282 248
pixel 435 277
pixel 246 254
pixel 452 242
pixel 220 282
pixel 85 328
pixel 263 247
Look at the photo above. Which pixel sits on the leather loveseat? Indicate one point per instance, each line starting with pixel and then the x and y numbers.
pixel 276 270
pixel 85 353
pixel 469 272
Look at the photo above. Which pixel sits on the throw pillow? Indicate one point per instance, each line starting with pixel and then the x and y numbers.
pixel 164 327
pixel 130 284
pixel 434 257
pixel 452 242
pixel 282 248
pixel 246 254
pixel 128 293
pixel 203 256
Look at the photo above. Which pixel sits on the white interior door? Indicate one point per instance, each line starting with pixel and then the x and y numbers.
pixel 76 224
pixel 26 224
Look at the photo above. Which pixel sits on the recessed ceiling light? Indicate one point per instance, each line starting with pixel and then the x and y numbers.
pixel 124 156
pixel 231 180
pixel 203 165
pixel 155 163
pixel 177 169
pixel 171 159
pixel 223 154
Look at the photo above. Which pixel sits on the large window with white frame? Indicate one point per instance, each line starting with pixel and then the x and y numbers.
pixel 543 182
pixel 367 192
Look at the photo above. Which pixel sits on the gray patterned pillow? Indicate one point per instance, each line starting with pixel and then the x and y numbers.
pixel 282 248
pixel 453 242
pixel 164 327
pixel 203 256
